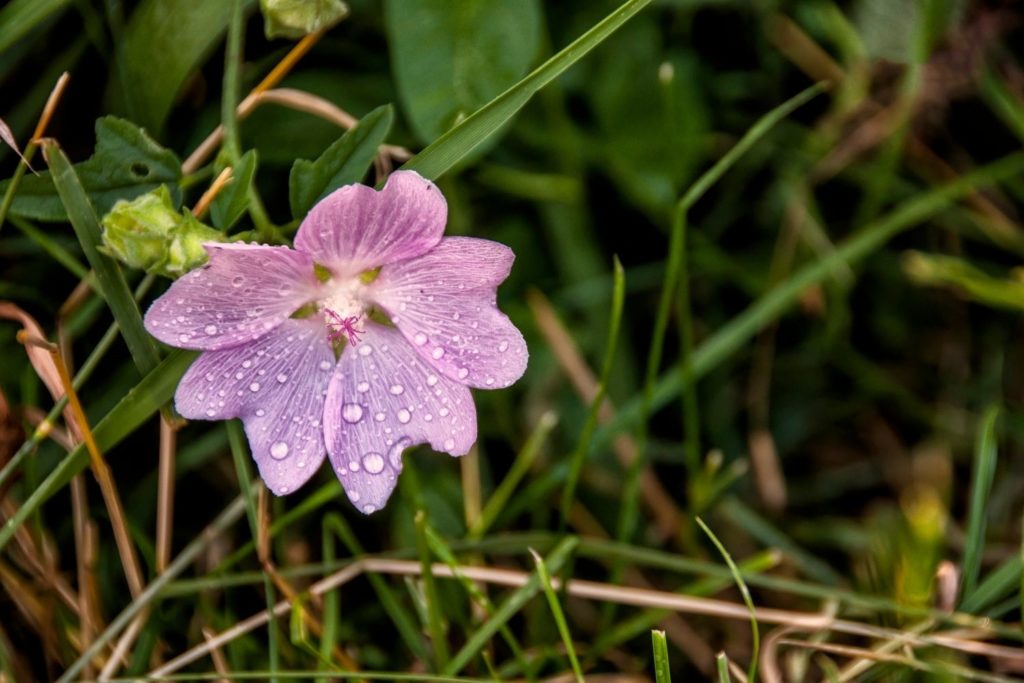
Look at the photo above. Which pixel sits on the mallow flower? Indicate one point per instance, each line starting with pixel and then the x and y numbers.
pixel 360 342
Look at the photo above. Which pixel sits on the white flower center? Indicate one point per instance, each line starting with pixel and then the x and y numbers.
pixel 344 311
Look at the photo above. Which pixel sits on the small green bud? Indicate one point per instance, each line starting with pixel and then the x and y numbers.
pixel 148 233
pixel 298 18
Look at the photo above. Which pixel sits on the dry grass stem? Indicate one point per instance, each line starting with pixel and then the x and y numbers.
pixel 218 184
pixel 165 493
pixel 663 509
pixel 51 106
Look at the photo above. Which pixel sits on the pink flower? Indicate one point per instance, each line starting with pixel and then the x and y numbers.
pixel 417 335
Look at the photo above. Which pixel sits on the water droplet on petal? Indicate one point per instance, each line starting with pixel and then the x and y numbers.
pixel 489 381
pixel 365 349
pixel 325 365
pixel 183 337
pixel 420 339
pixel 503 346
pixel 431 380
pixel 373 463
pixel 463 372
pixel 404 416
pixel 237 282
pixel 437 353
pixel 352 412
pixel 379 417
pixel 211 329
pixel 255 386
pixel 279 450
pixel 363 387
pixel 260 412
pixel 211 412
pixel 449 444
pixel 354 496
pixel 247 363
pixel 443 412
pixel 397 389
pixel 282 378
pixel 368 509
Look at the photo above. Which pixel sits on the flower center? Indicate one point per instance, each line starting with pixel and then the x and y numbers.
pixel 344 311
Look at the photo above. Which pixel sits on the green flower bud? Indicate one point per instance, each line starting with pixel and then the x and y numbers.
pixel 149 234
pixel 297 18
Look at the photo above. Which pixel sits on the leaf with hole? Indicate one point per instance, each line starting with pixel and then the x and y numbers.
pixel 126 163
pixel 344 162
pixel 232 201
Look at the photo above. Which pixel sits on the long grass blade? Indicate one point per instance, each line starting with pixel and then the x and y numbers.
pixel 558 614
pixel 985 457
pixel 662 668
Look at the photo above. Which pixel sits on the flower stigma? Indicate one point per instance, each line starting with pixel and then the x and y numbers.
pixel 344 311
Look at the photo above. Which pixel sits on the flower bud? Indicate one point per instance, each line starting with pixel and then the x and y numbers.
pixel 298 18
pixel 148 233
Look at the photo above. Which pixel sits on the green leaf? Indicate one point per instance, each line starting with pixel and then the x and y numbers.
pixel 136 407
pixel 454 145
pixel 345 161
pixel 985 457
pixel 163 42
pixel 21 16
pixel 126 163
pixel 108 274
pixel 938 270
pixel 233 200
pixel 451 58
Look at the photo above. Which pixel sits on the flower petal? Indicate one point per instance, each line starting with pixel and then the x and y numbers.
pixel 356 228
pixel 382 399
pixel 277 386
pixel 444 304
pixel 242 293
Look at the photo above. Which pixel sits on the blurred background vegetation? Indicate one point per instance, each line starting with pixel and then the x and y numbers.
pixel 819 352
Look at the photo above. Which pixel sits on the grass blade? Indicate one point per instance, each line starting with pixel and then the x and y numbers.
pixel 745 592
pixel 583 446
pixel 448 149
pixel 136 407
pixel 662 669
pixel 509 607
pixel 559 615
pixel 985 456
pixel 435 620
pixel 722 666
pixel 111 280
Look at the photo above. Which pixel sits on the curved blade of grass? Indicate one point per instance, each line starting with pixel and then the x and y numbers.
pixel 138 405
pixel 583 446
pixel 558 614
pixel 985 456
pixel 508 608
pixel 520 466
pixel 111 280
pixel 777 301
pixel 662 669
pixel 722 666
pixel 448 149
pixel 435 620
pixel 21 16
pixel 745 592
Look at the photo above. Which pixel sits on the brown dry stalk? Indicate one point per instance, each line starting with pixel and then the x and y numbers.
pixel 219 663
pixel 50 107
pixel 592 590
pixel 218 184
pixel 124 643
pixel 666 515
pixel 165 493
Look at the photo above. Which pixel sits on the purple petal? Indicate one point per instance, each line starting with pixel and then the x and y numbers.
pixel 242 293
pixel 277 386
pixel 356 228
pixel 382 399
pixel 444 304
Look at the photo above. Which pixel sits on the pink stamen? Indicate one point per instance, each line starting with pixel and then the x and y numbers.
pixel 339 328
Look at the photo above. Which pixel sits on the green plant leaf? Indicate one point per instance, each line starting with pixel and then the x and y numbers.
pixel 126 163
pixel 345 161
pixel 21 16
pixel 454 145
pixel 108 274
pixel 233 200
pixel 161 45
pixel 450 59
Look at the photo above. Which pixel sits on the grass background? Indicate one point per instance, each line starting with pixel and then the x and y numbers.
pixel 793 314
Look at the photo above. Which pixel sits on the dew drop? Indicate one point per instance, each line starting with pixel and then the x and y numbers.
pixel 373 463
pixel 363 387
pixel 279 450
pixel 354 496
pixel 379 417
pixel 437 353
pixel 431 380
pixel 443 412
pixel 260 412
pixel 210 412
pixel 239 375
pixel 404 416
pixel 183 337
pixel 255 386
pixel 368 509
pixel 449 444
pixel 211 329
pixel 282 378
pixel 489 381
pixel 420 339
pixel 246 363
pixel 352 412
pixel 325 365
pixel 397 389
pixel 463 372
pixel 503 346
pixel 237 282
pixel 365 349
